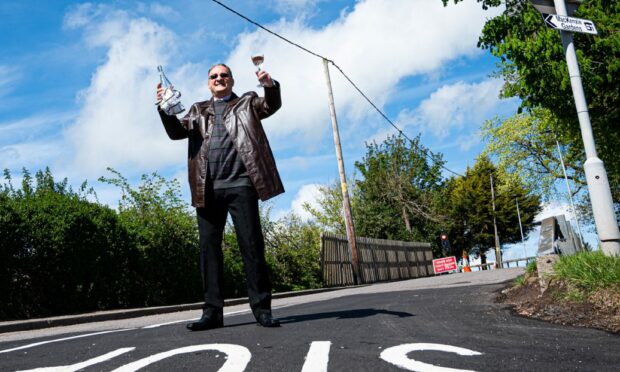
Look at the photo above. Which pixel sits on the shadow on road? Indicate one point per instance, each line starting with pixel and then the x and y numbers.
pixel 345 314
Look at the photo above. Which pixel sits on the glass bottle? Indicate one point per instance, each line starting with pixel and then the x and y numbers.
pixel 171 99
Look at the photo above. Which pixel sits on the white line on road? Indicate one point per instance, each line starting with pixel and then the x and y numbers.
pixel 82 365
pixel 237 357
pixel 62 339
pixel 317 357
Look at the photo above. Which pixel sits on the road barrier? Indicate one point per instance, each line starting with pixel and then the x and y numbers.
pixel 379 260
pixel 505 263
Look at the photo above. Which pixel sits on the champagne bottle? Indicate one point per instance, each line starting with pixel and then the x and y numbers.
pixel 163 79
pixel 171 99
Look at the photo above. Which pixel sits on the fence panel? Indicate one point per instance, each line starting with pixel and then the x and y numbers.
pixel 379 260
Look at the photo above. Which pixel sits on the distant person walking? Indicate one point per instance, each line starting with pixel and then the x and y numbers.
pixel 230 166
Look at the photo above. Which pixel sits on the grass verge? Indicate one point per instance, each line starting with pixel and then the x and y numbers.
pixel 530 270
pixel 587 272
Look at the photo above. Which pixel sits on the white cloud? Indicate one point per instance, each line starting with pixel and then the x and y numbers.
pixel 300 8
pixel 164 11
pixel 32 127
pixel 555 208
pixel 453 107
pixel 118 123
pixel 8 76
pixel 468 141
pixel 377 44
pixel 306 194
pixel 30 155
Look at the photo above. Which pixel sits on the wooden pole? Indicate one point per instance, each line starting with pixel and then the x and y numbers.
pixel 348 221
pixel 498 251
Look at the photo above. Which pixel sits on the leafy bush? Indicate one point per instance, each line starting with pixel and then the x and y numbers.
pixel 60 252
pixel 292 250
pixel 63 252
pixel 165 233
pixel 293 253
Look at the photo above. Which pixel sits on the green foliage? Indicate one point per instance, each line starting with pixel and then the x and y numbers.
pixel 165 233
pixel 398 195
pixel 60 252
pixel 531 268
pixel 293 252
pixel 589 270
pixel 526 150
pixel 520 280
pixel 533 64
pixel 329 216
pixel 471 209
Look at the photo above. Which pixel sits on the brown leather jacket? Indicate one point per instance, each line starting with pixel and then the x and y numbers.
pixel 242 118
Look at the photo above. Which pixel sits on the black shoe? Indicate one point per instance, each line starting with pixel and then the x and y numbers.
pixel 207 322
pixel 266 320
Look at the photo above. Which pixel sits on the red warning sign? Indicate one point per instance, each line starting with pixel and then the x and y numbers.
pixel 444 265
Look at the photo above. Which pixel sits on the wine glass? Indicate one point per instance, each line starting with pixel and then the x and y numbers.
pixel 257 60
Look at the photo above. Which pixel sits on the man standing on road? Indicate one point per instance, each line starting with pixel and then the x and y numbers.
pixel 230 167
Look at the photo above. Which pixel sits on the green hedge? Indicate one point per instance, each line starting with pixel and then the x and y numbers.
pixel 63 252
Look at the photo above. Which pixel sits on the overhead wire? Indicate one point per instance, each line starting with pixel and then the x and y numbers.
pixel 400 131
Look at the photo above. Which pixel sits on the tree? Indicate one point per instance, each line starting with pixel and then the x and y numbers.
pixel 525 147
pixel 329 215
pixel 471 210
pixel 165 234
pixel 397 197
pixel 533 64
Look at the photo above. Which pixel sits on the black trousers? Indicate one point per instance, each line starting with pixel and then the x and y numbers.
pixel 242 203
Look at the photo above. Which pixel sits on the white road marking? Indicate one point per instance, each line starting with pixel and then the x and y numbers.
pixel 116 330
pixel 397 355
pixel 82 365
pixel 317 357
pixel 237 357
pixel 63 339
pixel 191 320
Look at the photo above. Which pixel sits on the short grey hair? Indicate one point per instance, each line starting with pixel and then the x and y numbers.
pixel 220 64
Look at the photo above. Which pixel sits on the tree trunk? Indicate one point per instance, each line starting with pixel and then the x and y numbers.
pixel 406 218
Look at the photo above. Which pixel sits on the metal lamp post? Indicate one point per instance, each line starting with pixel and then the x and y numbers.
pixel 596 176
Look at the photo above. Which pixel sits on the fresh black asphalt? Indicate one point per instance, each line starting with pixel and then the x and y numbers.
pixel 416 329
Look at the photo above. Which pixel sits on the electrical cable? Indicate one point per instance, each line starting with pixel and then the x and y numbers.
pixel 400 132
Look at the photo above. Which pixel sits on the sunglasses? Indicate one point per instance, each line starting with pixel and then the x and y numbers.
pixel 223 75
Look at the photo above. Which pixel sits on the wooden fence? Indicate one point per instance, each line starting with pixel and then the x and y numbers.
pixel 379 260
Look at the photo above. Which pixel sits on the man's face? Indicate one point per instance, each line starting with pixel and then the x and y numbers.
pixel 220 86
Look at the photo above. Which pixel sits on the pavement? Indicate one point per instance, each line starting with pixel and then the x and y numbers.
pixel 439 281
pixel 435 323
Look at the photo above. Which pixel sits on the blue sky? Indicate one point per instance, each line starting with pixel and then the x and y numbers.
pixel 77 82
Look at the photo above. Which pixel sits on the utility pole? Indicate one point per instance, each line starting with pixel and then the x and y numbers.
pixel 498 251
pixel 596 176
pixel 521 228
pixel 348 221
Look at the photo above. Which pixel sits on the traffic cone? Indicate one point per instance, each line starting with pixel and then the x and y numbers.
pixel 466 268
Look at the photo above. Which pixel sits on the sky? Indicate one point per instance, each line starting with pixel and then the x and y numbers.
pixel 77 83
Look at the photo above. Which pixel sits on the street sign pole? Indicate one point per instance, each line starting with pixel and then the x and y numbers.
pixel 596 176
